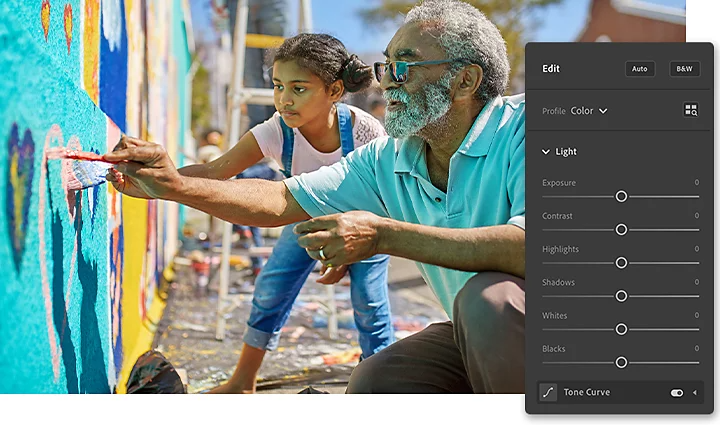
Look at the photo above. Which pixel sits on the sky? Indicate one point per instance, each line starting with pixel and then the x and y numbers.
pixel 340 18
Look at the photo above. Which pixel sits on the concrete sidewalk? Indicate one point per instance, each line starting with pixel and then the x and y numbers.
pixel 306 355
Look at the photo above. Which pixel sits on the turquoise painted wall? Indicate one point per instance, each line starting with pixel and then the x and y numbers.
pixel 80 268
pixel 54 314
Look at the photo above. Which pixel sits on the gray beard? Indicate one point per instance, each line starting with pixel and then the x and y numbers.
pixel 421 109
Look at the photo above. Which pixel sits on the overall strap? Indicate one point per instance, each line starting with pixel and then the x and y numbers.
pixel 287 149
pixel 346 138
pixel 346 129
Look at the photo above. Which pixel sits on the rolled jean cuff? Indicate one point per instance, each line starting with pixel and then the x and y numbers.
pixel 262 340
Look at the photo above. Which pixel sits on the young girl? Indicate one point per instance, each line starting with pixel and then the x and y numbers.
pixel 311 73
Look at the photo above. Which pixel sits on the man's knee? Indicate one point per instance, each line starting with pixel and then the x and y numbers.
pixel 489 298
pixel 366 378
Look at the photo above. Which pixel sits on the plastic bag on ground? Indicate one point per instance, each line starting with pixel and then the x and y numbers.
pixel 153 374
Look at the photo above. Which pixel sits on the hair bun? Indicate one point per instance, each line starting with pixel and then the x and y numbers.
pixel 356 75
pixel 348 61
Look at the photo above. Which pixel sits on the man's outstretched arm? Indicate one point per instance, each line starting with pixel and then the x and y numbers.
pixel 148 172
pixel 251 202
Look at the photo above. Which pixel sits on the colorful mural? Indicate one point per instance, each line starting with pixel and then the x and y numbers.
pixel 78 300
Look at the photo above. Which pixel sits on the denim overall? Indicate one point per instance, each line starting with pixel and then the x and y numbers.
pixel 289 266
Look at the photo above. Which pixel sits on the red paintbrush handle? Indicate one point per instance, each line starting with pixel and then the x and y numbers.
pixel 65 153
pixel 86 156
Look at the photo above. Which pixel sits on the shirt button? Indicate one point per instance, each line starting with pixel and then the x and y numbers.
pixel 438 199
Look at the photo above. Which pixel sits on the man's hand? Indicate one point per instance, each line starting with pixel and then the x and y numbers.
pixel 147 170
pixel 340 239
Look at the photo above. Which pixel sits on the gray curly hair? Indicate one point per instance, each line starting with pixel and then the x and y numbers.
pixel 466 33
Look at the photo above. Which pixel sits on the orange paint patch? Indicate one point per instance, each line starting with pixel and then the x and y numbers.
pixel 68 25
pixel 91 46
pixel 342 357
pixel 45 17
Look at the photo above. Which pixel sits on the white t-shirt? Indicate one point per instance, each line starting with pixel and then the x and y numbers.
pixel 305 157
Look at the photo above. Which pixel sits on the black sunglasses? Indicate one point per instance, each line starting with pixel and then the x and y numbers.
pixel 399 69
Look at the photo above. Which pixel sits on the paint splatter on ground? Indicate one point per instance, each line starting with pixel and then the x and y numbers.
pixel 306 355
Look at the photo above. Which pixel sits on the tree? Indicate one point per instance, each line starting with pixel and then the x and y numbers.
pixel 516 20
pixel 201 114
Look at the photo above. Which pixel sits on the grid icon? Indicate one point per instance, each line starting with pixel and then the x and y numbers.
pixel 691 109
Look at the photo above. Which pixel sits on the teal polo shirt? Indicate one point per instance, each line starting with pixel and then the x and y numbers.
pixel 389 177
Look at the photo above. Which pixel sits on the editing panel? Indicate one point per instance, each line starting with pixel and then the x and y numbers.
pixel 619 276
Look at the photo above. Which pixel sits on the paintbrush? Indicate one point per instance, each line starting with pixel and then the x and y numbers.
pixel 65 153
pixel 83 169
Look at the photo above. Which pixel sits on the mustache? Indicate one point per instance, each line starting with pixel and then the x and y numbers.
pixel 396 95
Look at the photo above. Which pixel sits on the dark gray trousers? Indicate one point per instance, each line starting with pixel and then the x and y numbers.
pixel 481 351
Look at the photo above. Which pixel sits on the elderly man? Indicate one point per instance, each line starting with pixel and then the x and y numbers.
pixel 446 189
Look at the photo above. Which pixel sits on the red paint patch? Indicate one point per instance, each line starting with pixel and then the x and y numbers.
pixel 68 25
pixel 45 17
pixel 342 357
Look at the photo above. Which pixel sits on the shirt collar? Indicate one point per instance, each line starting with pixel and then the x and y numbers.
pixel 480 137
pixel 409 151
pixel 476 143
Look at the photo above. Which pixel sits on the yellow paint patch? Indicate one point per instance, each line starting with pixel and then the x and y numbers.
pixel 45 17
pixel 91 46
pixel 137 336
pixel 18 184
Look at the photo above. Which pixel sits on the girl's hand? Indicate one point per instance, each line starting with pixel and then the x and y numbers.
pixel 332 275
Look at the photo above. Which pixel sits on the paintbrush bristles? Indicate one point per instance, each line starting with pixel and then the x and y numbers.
pixel 82 169
pixel 84 174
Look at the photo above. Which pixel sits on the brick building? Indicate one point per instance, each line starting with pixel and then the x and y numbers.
pixel 633 20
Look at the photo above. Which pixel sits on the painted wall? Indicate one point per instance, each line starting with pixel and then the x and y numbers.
pixel 78 292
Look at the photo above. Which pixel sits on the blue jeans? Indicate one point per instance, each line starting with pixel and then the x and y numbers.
pixel 284 274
